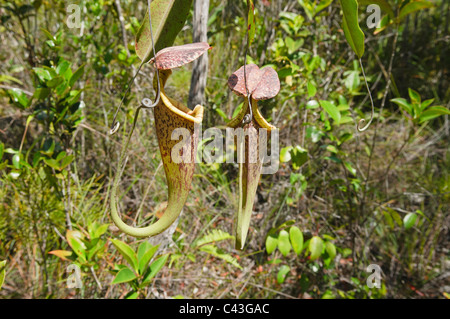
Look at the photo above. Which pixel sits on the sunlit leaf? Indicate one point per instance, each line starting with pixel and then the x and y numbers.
pixel 271 244
pixel 127 252
pixel 315 247
pixel 168 18
pixel 282 273
pixel 284 245
pixel 61 254
pixel 296 237
pixel 155 267
pixel 350 24
pixel 2 272
pixel 409 220
pixel 124 275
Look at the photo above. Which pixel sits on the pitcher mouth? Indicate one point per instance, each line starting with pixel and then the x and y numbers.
pixel 195 115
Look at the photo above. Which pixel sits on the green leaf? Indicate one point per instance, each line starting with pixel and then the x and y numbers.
pixel 414 96
pixel 285 154
pixel 414 6
pixel 16 160
pixel 43 74
pixel 282 273
pixel 76 76
pixel 350 168
pixel 100 230
pixel 19 98
pixel 405 105
pixel 311 89
pixel 155 267
pixel 315 247
pixel 284 245
pixel 75 240
pixel 299 157
pixel 124 275
pixel 332 110
pixel 433 112
pixel 145 257
pixel 352 31
pixel 330 248
pixel 168 18
pixel 409 220
pixel 271 244
pixel 251 21
pixel 296 237
pixel 127 252
pixel 2 272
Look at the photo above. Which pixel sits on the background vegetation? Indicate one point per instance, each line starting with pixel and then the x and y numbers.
pixel 341 200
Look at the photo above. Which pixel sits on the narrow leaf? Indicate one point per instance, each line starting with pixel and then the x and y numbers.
pixel 251 21
pixel 2 272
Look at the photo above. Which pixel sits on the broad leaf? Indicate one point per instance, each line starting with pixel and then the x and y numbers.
pixel 284 245
pixel 282 273
pixel 352 31
pixel 155 267
pixel 271 244
pixel 296 236
pixel 127 252
pixel 145 258
pixel 332 110
pixel 414 6
pixel 330 248
pixel 315 247
pixel 404 104
pixel 433 112
pixel 168 18
pixel 409 220
pixel 124 275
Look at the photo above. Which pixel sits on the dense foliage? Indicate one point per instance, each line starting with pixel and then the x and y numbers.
pixel 342 199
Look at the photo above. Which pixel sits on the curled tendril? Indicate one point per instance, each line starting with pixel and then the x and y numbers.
pixel 146 102
pixel 362 121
